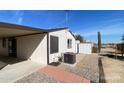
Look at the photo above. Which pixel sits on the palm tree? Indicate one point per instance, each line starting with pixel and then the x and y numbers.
pixel 99 42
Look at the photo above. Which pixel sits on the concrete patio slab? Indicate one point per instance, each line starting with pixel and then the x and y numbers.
pixel 14 72
pixel 2 64
pixel 62 75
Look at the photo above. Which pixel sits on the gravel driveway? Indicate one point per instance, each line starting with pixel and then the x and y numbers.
pixel 37 78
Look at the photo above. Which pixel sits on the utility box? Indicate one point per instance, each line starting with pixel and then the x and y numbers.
pixel 70 58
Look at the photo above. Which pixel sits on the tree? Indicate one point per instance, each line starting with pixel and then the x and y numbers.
pixel 99 42
pixel 80 38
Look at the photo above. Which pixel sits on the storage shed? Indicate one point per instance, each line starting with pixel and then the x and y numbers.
pixel 85 48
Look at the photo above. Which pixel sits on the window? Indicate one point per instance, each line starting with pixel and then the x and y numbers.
pixel 4 43
pixel 69 43
pixel 54 47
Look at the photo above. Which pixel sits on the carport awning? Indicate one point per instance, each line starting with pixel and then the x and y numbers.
pixel 12 30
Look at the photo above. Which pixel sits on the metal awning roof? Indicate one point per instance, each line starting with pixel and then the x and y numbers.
pixel 12 30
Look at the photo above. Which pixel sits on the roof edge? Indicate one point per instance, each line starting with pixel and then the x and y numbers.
pixel 17 26
pixel 57 29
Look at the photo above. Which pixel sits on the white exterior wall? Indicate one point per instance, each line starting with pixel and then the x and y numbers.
pixel 33 47
pixel 63 36
pixel 85 48
pixel 4 51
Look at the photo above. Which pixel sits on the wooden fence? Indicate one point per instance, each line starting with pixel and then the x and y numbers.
pixel 120 47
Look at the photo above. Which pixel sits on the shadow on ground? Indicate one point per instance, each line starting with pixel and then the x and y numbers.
pixel 2 65
pixel 101 71
pixel 55 63
pixel 5 60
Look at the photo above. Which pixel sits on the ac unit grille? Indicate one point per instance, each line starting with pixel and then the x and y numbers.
pixel 70 58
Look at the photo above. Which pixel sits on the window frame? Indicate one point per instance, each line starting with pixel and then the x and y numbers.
pixel 69 43
pixel 55 47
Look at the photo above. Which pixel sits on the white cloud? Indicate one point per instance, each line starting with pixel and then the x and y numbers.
pixel 18 16
pixel 20 20
pixel 62 22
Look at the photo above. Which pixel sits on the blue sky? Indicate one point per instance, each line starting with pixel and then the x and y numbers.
pixel 83 22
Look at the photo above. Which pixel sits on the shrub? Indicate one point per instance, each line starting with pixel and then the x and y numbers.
pixel 94 49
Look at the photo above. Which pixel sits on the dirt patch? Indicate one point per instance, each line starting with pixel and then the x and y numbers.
pixel 113 70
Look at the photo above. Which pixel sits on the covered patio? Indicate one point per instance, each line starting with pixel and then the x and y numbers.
pixel 13 67
pixel 9 31
pixel 11 48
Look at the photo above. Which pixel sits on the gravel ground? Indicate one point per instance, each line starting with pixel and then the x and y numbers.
pixel 87 67
pixel 37 78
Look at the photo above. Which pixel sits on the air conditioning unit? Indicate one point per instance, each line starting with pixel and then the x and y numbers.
pixel 69 58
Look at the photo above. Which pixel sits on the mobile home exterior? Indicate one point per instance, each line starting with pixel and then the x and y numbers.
pixel 39 45
pixel 66 43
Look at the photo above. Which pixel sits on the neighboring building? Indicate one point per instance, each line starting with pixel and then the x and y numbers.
pixel 85 48
pixel 39 45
